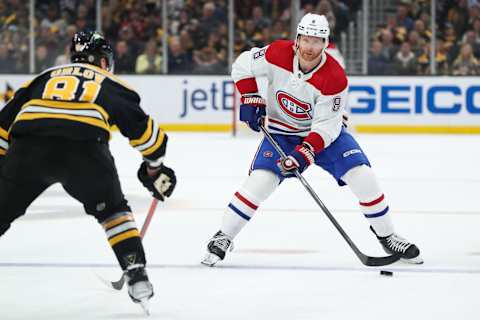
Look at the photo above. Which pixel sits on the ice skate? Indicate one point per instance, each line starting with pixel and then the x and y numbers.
pixel 217 248
pixel 394 244
pixel 140 289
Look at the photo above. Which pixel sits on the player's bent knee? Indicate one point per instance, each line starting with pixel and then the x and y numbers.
pixel 260 184
pixel 361 171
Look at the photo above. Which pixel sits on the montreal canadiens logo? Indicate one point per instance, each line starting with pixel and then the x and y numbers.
pixel 293 107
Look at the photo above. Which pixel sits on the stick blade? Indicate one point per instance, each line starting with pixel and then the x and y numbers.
pixel 118 285
pixel 380 261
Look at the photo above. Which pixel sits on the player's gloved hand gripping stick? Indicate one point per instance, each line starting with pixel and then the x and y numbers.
pixel 252 110
pixel 366 260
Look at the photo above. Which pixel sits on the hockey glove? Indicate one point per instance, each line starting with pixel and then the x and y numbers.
pixel 161 183
pixel 252 110
pixel 300 158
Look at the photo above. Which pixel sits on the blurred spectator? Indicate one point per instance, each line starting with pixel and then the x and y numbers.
pixel 458 17
pixel 476 29
pixel 389 48
pixel 124 60
pixel 179 62
pixel 137 24
pixel 423 60
pixel 126 34
pixel 470 38
pixel 207 62
pixel 150 61
pixel 64 58
pixel 473 13
pixel 279 30
pixel 403 17
pixel 7 63
pixel 404 62
pixel 415 42
pixel 465 64
pixel 399 32
pixel 441 56
pixel 377 63
pixel 250 36
pixel 42 59
pixel 208 23
pixel 422 30
pixel 259 19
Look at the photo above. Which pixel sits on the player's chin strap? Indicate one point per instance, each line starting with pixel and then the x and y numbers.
pixel 366 260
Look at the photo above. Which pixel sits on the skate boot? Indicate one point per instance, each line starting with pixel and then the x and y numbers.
pixel 139 287
pixel 216 249
pixel 394 244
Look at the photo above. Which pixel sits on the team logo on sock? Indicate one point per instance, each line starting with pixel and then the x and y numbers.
pixel 293 107
pixel 268 154
pixel 131 258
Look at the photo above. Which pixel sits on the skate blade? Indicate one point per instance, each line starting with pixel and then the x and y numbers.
pixel 416 260
pixel 144 303
pixel 210 260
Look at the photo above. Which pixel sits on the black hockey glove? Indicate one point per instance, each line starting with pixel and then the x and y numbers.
pixel 160 185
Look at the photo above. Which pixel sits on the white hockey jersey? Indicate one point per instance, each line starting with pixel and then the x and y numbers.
pixel 308 105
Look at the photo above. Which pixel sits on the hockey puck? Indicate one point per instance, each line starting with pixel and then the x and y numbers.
pixel 386 273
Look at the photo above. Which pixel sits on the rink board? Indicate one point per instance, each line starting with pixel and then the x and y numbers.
pixel 377 104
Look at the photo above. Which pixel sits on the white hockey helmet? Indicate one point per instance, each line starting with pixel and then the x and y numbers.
pixel 314 25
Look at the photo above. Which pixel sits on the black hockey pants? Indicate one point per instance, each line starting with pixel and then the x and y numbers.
pixel 85 169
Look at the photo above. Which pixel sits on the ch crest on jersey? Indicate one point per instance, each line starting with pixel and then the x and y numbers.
pixel 293 107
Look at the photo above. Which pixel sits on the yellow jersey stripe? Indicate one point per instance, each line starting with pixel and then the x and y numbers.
pixel 67 105
pixel 145 136
pixel 126 235
pixel 3 134
pixel 117 221
pixel 158 143
pixel 26 84
pixel 3 152
pixel 87 120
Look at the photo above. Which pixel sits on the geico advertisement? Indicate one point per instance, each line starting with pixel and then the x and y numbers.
pixel 372 100
pixel 415 100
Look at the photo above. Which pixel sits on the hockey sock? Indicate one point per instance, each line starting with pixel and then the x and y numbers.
pixel 259 185
pixel 363 183
pixel 124 239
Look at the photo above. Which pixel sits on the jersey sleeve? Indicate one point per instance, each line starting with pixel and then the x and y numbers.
pixel 327 120
pixel 142 130
pixel 249 65
pixel 8 114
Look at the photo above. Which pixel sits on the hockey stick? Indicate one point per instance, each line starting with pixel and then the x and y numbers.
pixel 118 285
pixel 366 260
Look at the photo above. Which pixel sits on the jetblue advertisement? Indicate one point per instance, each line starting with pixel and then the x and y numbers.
pixel 373 101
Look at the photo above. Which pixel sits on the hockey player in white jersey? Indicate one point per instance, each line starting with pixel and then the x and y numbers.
pixel 307 94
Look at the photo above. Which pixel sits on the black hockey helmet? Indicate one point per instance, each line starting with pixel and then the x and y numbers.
pixel 89 47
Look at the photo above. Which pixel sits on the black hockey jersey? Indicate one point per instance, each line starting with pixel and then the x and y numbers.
pixel 80 102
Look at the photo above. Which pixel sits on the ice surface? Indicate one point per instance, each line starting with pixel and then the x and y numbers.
pixel 288 263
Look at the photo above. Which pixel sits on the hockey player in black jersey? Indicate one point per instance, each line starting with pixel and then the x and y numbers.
pixel 56 129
